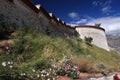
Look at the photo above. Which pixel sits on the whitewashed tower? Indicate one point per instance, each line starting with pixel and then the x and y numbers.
pixel 96 32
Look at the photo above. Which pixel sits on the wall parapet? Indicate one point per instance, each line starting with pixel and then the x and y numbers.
pixel 48 15
pixel 31 5
pixel 44 12
pixel 89 26
pixel 53 17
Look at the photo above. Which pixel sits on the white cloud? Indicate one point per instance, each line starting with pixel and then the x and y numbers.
pixel 95 3
pixel 107 3
pixel 105 7
pixel 73 15
pixel 81 21
pixel 109 23
pixel 72 24
pixel 78 22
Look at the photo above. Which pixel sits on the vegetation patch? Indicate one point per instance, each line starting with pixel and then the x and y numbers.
pixel 35 55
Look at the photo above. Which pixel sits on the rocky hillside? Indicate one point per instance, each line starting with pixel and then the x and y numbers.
pixel 114 42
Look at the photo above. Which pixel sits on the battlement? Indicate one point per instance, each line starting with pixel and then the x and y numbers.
pixel 23 13
pixel 31 5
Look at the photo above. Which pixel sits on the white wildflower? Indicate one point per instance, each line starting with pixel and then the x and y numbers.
pixel 7 47
pixel 48 79
pixel 47 74
pixel 4 64
pixel 33 70
pixel 43 71
pixel 50 69
pixel 42 75
pixel 11 66
pixel 9 62
pixel 38 75
pixel 53 79
pixel 22 74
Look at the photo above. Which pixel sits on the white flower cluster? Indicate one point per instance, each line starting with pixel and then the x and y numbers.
pixel 9 63
pixel 4 64
pixel 33 70
pixel 23 74
pixel 45 73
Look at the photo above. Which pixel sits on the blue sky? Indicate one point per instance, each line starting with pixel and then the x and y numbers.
pixel 85 12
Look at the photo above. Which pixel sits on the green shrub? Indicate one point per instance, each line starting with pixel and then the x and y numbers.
pixel 43 64
pixel 88 40
pixel 8 71
pixel 34 50
pixel 6 31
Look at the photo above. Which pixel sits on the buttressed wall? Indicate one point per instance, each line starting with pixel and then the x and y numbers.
pixel 97 33
pixel 23 13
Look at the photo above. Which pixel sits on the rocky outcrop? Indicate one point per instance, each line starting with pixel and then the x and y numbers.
pixel 114 42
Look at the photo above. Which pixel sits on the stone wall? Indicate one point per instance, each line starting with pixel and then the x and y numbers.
pixel 13 14
pixel 97 33
pixel 23 13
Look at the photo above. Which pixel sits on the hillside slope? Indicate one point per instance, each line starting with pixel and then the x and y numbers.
pixel 34 55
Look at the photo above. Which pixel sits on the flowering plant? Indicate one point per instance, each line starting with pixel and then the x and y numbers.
pixel 69 69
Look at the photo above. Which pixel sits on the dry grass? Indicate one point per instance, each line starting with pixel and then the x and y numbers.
pixel 84 64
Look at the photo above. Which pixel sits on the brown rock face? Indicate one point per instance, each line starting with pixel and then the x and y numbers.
pixel 88 75
pixel 63 78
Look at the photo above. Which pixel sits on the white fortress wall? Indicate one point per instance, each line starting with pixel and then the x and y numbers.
pixel 98 35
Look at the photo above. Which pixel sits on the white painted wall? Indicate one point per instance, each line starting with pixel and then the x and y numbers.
pixel 98 35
